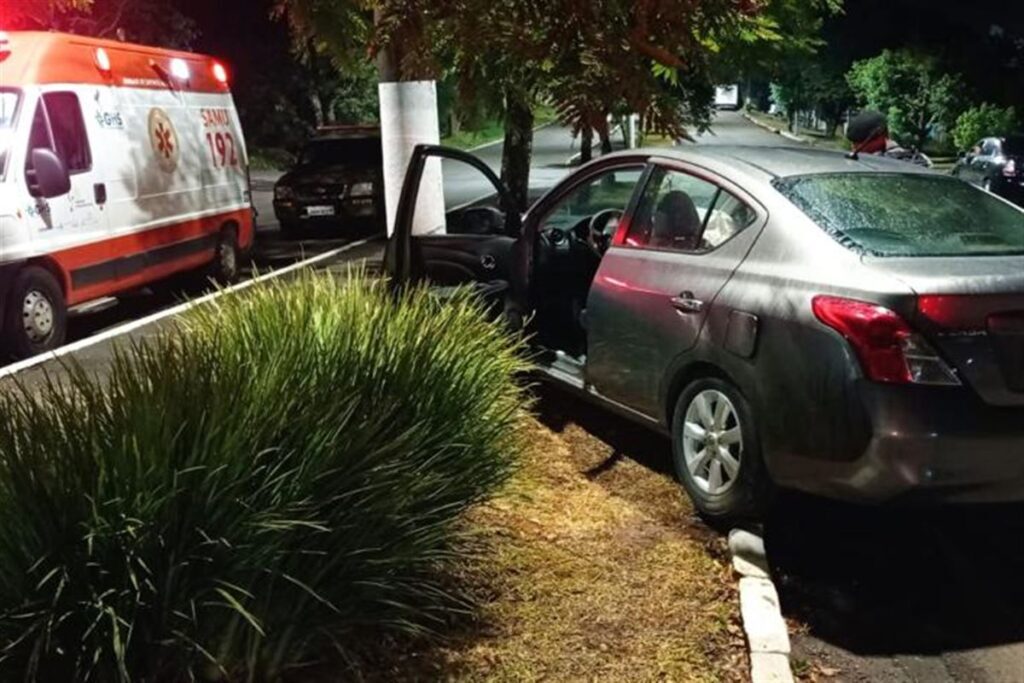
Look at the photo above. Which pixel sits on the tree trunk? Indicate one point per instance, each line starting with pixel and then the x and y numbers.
pixel 318 108
pixel 517 152
pixel 408 117
pixel 586 144
pixel 606 140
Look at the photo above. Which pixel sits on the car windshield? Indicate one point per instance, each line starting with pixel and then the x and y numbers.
pixel 895 214
pixel 356 152
pixel 9 100
pixel 1014 146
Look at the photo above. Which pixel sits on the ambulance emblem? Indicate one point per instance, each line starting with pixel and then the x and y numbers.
pixel 164 140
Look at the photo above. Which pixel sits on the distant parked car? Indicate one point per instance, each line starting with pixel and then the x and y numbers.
pixel 337 182
pixel 848 327
pixel 996 165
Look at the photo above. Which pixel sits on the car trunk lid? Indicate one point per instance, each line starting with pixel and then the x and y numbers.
pixel 972 310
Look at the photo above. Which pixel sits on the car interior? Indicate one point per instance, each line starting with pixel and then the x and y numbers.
pixel 573 237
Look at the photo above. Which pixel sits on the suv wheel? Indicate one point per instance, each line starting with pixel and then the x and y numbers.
pixel 35 320
pixel 717 452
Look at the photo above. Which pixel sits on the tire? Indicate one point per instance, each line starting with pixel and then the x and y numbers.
pixel 35 315
pixel 741 490
pixel 226 265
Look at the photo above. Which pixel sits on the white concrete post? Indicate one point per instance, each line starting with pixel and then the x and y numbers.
pixel 408 117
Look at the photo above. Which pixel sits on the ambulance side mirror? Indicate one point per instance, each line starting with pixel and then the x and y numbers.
pixel 51 175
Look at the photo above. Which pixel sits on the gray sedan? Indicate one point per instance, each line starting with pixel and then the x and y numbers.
pixel 847 327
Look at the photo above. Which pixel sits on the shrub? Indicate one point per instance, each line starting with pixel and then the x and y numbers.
pixel 282 476
pixel 982 121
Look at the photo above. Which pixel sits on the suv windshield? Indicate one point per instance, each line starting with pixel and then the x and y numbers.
pixel 896 214
pixel 357 152
pixel 9 100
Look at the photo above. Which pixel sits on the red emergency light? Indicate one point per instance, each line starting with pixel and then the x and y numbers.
pixel 220 73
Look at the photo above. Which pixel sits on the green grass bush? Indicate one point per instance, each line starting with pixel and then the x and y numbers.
pixel 273 483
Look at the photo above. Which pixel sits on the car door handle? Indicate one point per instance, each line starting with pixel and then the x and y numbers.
pixel 687 303
pixel 100 193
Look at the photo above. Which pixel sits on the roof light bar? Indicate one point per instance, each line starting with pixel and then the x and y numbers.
pixel 220 73
pixel 179 69
pixel 102 60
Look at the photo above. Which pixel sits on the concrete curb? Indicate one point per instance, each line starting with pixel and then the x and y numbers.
pixel 767 636
pixel 777 131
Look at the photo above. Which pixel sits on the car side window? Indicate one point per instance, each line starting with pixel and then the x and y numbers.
pixel 729 216
pixel 989 148
pixel 611 189
pixel 681 212
pixel 65 130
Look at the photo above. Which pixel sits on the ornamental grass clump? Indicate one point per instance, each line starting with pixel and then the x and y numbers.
pixel 276 481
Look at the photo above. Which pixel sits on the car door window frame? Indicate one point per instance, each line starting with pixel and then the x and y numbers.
pixel 537 214
pixel 398 256
pixel 708 176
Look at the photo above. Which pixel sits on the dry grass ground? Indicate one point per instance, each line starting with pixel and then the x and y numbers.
pixel 596 569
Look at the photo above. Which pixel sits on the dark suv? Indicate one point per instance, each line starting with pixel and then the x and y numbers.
pixel 336 183
pixel 997 165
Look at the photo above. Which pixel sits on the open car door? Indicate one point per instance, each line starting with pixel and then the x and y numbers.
pixel 480 243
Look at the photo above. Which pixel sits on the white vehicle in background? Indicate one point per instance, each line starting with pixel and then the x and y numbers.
pixel 727 97
pixel 119 165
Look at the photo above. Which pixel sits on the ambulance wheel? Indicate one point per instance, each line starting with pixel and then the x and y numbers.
pixel 227 262
pixel 35 319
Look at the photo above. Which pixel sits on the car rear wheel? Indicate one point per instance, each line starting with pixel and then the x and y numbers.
pixel 717 453
pixel 35 319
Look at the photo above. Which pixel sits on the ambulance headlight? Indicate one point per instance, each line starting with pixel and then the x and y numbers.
pixel 283 193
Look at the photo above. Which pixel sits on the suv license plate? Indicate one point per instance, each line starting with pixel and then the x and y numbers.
pixel 320 211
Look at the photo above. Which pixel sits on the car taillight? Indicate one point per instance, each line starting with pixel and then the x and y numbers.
pixel 1010 169
pixel 888 349
pixel 5 46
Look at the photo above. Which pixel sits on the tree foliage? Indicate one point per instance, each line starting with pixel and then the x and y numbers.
pixel 984 120
pixel 157 22
pixel 768 43
pixel 912 89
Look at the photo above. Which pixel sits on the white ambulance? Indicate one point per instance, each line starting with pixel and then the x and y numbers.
pixel 119 165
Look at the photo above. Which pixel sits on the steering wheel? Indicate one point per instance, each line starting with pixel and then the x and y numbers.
pixel 598 236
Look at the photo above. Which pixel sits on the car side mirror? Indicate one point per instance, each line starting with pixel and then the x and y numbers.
pixel 51 175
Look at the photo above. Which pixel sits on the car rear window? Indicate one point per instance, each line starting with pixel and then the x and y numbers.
pixel 893 214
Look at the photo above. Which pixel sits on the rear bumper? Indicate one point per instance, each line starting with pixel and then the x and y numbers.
pixel 927 444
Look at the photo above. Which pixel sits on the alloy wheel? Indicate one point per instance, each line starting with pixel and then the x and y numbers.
pixel 712 442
